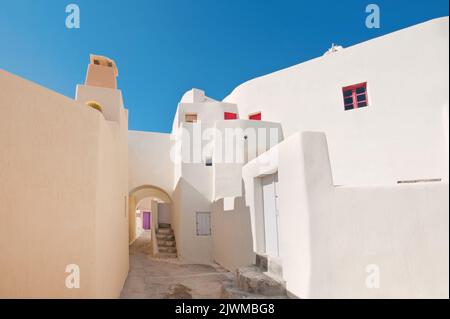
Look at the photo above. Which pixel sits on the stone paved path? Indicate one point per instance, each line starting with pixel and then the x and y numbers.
pixel 151 278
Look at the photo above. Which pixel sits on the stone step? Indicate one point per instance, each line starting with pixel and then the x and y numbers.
pixel 164 225
pixel 167 231
pixel 165 237
pixel 167 249
pixel 275 267
pixel 166 243
pixel 252 280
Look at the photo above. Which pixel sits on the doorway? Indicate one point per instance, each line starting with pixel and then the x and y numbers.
pixel 146 220
pixel 271 215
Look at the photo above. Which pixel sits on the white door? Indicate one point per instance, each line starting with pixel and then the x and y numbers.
pixel 269 187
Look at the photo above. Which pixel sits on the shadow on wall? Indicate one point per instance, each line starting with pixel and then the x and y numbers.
pixel 333 237
pixel 232 235
pixel 187 203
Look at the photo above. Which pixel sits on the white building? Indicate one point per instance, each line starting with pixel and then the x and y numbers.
pixel 355 182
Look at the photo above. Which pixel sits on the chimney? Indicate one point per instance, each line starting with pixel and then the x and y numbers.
pixel 102 72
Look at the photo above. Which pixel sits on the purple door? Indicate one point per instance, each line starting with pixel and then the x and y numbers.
pixel 146 222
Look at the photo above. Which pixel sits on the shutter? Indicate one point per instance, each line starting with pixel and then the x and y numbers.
pixel 203 224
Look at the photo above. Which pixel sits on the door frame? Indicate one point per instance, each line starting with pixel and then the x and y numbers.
pixel 275 218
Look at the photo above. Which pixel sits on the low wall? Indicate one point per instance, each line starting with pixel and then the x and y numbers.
pixel 232 239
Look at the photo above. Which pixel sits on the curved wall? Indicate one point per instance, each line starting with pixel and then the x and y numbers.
pixel 399 136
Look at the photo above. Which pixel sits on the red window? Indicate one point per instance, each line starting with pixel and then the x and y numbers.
pixel 355 96
pixel 230 116
pixel 255 116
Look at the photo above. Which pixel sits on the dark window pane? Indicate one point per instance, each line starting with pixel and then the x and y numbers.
pixel 361 90
pixel 362 104
pixel 348 100
pixel 361 97
pixel 348 93
pixel 349 107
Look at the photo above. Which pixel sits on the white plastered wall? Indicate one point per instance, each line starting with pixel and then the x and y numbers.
pixel 187 202
pixel 250 137
pixel 149 160
pixel 164 213
pixel 329 235
pixel 399 136
pixel 232 239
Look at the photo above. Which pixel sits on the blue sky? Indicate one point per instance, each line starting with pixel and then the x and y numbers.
pixel 165 47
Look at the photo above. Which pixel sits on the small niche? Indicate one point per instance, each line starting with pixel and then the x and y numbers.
pixel 95 105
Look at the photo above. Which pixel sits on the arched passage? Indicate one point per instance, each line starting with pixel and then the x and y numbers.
pixel 137 195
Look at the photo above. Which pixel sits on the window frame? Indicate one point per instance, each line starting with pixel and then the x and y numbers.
pixel 230 116
pixel 355 104
pixel 208 161
pixel 257 116
pixel 186 115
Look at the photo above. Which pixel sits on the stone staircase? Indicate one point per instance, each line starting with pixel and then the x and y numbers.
pixel 253 282
pixel 165 237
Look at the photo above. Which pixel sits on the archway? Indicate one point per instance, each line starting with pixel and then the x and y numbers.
pixel 137 195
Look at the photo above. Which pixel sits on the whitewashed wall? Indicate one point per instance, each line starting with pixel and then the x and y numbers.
pixel 164 213
pixel 187 202
pixel 329 234
pixel 232 238
pixel 149 160
pixel 228 175
pixel 399 136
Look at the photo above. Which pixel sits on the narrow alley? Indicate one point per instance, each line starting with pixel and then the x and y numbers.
pixel 152 278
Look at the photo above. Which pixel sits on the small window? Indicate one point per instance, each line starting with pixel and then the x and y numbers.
pixel 230 116
pixel 355 96
pixel 191 117
pixel 97 62
pixel 255 116
pixel 110 64
pixel 203 223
